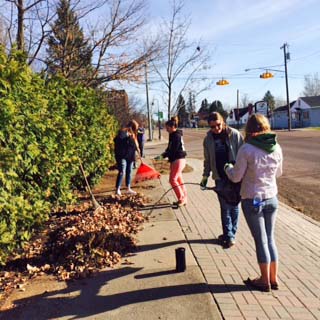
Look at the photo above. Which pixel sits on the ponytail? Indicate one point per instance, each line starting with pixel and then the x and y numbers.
pixel 173 122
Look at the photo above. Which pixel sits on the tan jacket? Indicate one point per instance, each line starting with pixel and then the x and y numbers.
pixel 234 142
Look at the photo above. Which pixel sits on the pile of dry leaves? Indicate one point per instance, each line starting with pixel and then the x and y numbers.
pixel 74 244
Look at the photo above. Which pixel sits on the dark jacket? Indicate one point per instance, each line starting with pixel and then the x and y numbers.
pixel 175 149
pixel 124 146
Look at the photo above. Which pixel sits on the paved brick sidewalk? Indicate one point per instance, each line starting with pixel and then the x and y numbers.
pixel 298 240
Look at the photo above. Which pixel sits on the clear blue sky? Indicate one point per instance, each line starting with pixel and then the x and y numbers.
pixel 242 34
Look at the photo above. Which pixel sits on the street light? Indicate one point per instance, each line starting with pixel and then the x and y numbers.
pixel 159 122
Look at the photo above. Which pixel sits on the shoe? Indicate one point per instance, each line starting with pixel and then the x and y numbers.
pixel 182 203
pixel 118 192
pixel 222 239
pixel 130 191
pixel 179 203
pixel 257 285
pixel 275 286
pixel 231 243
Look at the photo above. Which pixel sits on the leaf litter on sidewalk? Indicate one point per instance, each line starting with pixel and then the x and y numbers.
pixel 75 244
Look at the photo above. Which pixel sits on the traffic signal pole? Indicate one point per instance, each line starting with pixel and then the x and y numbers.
pixel 284 47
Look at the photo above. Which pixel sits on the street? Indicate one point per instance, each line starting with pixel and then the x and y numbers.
pixel 299 185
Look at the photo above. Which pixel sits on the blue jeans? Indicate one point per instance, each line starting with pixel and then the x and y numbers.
pixel 261 226
pixel 124 168
pixel 229 217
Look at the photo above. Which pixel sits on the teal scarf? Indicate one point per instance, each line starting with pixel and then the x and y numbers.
pixel 265 141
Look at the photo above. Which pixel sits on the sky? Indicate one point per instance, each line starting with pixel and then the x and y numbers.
pixel 248 34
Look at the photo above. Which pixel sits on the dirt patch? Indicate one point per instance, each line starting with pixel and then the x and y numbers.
pixel 300 196
pixel 163 166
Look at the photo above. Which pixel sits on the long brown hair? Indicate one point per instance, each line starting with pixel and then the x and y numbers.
pixel 215 116
pixel 256 124
pixel 132 128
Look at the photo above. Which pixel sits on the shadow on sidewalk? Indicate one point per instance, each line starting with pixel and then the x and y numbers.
pixel 86 298
pixel 155 246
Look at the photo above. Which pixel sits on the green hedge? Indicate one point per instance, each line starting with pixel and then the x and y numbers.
pixel 46 126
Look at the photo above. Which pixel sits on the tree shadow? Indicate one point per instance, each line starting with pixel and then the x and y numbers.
pixel 90 301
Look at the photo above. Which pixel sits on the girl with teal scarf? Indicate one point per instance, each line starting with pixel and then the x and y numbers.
pixel 258 164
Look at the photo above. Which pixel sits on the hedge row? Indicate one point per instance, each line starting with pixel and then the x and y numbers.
pixel 46 128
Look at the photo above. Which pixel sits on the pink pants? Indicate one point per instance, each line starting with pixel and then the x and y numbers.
pixel 176 180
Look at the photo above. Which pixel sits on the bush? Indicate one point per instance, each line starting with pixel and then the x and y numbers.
pixel 46 128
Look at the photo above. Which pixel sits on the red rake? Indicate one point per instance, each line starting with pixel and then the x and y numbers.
pixel 146 172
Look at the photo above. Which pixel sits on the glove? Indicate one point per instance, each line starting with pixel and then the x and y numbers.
pixel 227 165
pixel 158 157
pixel 203 182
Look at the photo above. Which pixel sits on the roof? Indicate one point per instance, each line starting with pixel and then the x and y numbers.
pixel 284 108
pixel 240 112
pixel 313 101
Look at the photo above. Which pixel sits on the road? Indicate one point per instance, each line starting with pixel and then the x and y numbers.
pixel 299 185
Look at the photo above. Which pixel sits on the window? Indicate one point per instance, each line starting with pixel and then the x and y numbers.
pixel 305 115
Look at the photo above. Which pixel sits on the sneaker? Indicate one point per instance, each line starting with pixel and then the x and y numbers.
pixel 222 239
pixel 231 243
pixel 179 203
pixel 130 191
pixel 118 192
pixel 182 203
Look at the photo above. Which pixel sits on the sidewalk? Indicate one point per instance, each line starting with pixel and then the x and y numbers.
pixel 298 239
pixel 146 286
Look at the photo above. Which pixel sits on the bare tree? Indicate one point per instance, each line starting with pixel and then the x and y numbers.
pixel 245 100
pixel 3 32
pixel 113 38
pixel 28 25
pixel 311 85
pixel 180 58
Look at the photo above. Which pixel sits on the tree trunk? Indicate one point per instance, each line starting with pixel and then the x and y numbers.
pixel 20 33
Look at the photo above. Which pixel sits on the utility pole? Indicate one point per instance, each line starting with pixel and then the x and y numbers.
pixel 148 107
pixel 286 57
pixel 238 125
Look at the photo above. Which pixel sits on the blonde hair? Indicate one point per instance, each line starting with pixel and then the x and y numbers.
pixel 256 124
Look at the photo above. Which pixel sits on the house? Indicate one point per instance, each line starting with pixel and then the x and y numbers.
pixel 305 112
pixel 238 117
pixel 279 118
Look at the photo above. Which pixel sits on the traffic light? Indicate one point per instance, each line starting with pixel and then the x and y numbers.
pixel 266 75
pixel 222 82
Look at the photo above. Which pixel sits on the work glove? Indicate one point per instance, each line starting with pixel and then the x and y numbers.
pixel 159 157
pixel 227 166
pixel 203 183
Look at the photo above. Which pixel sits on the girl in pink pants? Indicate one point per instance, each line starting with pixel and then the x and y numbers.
pixel 176 154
